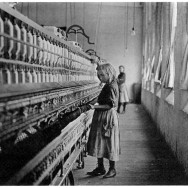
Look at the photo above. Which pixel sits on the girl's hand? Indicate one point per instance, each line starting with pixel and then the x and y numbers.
pixel 92 106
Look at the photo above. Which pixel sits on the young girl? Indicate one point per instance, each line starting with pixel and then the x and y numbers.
pixel 104 135
pixel 123 94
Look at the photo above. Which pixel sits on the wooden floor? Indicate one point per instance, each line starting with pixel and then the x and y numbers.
pixel 145 158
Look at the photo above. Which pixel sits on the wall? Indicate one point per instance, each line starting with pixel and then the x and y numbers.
pixel 112 30
pixel 169 115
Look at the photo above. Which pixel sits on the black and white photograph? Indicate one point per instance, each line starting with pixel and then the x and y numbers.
pixel 93 93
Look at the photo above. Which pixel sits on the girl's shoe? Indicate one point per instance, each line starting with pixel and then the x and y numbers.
pixel 97 171
pixel 111 173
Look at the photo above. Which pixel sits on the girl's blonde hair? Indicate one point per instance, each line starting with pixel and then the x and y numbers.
pixel 109 69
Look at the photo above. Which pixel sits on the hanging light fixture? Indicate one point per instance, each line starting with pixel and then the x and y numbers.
pixel 126 32
pixel 133 32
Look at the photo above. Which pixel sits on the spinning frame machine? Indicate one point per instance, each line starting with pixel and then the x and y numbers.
pixel 45 86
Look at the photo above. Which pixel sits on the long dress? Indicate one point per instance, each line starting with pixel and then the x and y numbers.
pixel 104 138
pixel 123 93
